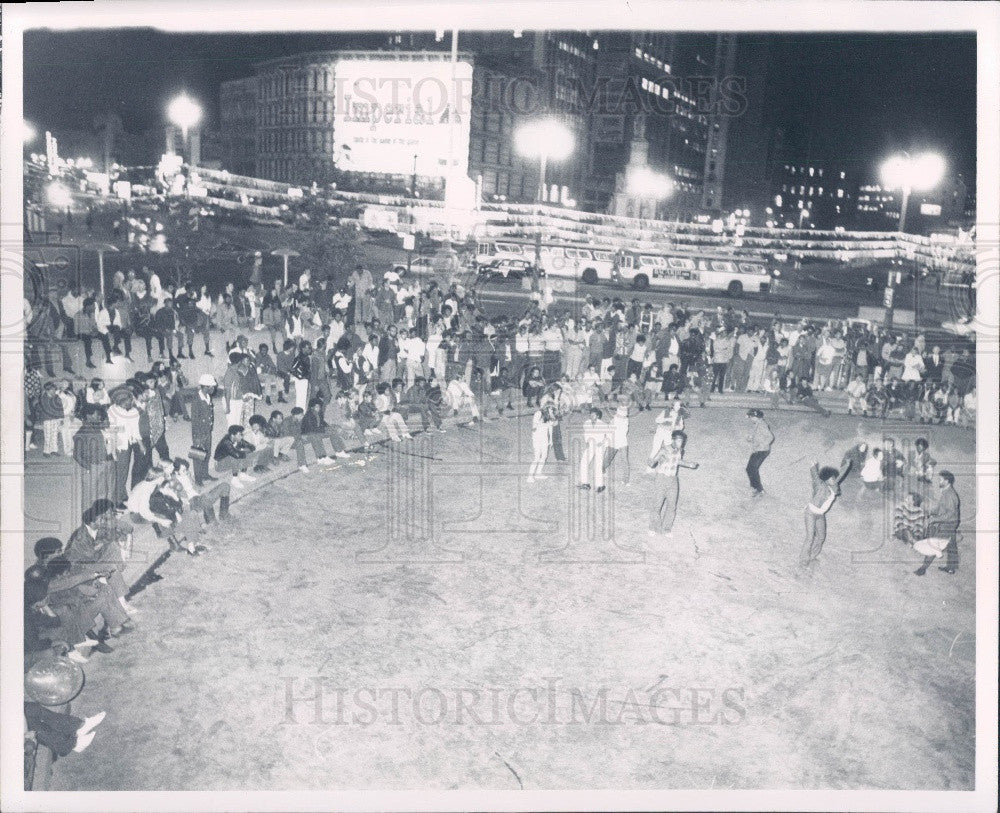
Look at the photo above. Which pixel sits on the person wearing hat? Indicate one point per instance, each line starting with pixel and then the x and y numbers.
pixel 123 428
pixel 760 439
pixel 202 424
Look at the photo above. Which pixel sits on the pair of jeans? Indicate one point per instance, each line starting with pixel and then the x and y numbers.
pixel 815 537
pixel 664 509
pixel 753 469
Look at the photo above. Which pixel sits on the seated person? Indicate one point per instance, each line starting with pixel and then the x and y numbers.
pixel 313 430
pixel 368 418
pixel 97 545
pixel 84 603
pixel 672 382
pixel 202 502
pixel 234 454
pixel 281 442
pixel 392 423
pixel 534 386
pixel 909 520
pixel 256 435
pixel 873 471
pixel 458 395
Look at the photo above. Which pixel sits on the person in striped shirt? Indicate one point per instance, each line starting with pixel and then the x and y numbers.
pixel 825 490
pixel 668 461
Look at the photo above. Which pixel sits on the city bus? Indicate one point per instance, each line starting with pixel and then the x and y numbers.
pixel 638 269
pixel 557 258
pixel 649 269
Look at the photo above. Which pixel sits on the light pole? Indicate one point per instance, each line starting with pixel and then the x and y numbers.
pixel 100 248
pixel 908 174
pixel 184 113
pixel 285 253
pixel 544 139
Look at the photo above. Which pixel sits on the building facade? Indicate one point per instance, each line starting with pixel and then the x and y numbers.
pixel 811 194
pixel 237 141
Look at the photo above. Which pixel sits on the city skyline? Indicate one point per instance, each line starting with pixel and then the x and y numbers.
pixel 869 94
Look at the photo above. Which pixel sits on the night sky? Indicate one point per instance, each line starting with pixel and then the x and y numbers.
pixel 862 95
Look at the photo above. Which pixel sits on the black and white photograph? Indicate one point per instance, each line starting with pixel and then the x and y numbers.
pixel 496 406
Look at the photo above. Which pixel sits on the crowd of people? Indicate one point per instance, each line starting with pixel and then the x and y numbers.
pixel 340 369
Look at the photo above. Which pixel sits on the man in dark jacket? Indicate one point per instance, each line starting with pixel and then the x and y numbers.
pixel 235 455
pixel 202 423
pixel 164 324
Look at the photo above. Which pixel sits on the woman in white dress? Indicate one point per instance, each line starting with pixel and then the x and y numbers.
pixel 541 441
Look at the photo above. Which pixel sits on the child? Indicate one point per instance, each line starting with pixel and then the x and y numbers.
pixel 50 413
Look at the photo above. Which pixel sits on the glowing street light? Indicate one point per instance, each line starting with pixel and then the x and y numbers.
pixel 184 112
pixel 643 182
pixel 908 173
pixel 28 132
pixel 916 173
pixel 547 140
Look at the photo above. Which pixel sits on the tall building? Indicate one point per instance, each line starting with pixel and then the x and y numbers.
pixel 238 125
pixel 750 142
pixel 943 207
pixel 678 83
pixel 815 194
pixel 598 84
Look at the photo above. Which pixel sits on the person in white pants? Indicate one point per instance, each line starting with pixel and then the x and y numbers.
pixel 541 441
pixel 667 422
pixel 596 435
pixel 458 395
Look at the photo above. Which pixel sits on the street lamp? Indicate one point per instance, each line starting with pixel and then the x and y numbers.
pixel 285 253
pixel 908 173
pixel 101 248
pixel 643 182
pixel 544 139
pixel 28 133
pixel 547 140
pixel 184 112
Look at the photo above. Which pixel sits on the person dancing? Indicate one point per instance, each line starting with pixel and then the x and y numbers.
pixel 541 441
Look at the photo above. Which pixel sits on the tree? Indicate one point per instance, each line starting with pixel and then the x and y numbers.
pixel 110 126
pixel 332 253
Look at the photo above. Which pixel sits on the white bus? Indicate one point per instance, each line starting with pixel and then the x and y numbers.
pixel 558 258
pixel 734 275
pixel 638 269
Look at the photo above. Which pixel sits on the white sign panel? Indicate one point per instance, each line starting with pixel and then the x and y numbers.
pixel 931 209
pixel 400 116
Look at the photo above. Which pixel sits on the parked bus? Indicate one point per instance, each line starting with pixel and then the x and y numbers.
pixel 638 269
pixel 647 269
pixel 558 258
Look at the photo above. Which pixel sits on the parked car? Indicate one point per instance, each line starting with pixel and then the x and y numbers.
pixel 501 270
pixel 418 265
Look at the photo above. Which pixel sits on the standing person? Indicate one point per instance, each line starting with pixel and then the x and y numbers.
pixel 944 520
pixel 825 490
pixel 541 441
pixel 669 460
pixel 300 373
pixel 670 420
pixel 595 445
pixel 761 437
pixel 93 456
pixel 723 346
pixel 619 441
pixel 202 424
pixel 123 419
